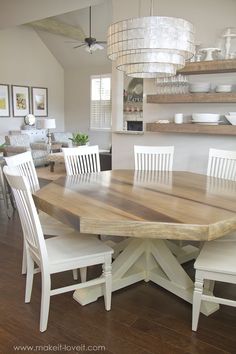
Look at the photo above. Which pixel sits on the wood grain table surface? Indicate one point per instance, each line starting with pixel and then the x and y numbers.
pixel 151 208
pixel 171 205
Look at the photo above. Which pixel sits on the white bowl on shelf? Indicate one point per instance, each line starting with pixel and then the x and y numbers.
pixel 223 88
pixel 205 117
pixel 231 119
pixel 200 87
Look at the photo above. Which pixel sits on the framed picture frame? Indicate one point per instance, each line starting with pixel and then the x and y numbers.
pixel 4 101
pixel 20 100
pixel 40 101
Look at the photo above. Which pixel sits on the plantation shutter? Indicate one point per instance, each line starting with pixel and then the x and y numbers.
pixel 100 116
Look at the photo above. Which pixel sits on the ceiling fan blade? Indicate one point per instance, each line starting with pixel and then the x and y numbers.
pixel 81 45
pixel 101 42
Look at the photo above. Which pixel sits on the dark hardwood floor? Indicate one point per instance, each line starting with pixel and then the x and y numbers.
pixel 144 318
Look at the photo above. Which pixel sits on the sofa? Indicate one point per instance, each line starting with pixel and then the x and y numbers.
pixel 16 144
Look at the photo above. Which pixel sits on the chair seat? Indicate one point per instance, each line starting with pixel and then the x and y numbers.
pixel 217 257
pixel 70 248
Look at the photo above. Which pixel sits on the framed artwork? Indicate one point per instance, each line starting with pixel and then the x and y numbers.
pixel 4 101
pixel 40 101
pixel 20 101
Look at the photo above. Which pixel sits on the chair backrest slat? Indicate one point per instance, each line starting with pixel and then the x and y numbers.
pixel 32 230
pixel 25 167
pixel 82 159
pixel 222 164
pixel 153 158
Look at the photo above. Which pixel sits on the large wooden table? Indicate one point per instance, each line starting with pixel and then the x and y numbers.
pixel 150 208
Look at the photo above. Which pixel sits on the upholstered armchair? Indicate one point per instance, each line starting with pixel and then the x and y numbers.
pixel 62 138
pixel 19 143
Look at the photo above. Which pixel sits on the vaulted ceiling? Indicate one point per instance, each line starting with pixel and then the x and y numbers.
pixel 63 48
pixel 64 20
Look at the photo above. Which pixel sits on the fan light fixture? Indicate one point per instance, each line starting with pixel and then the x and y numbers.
pixel 149 47
pixel 90 43
pixel 93 47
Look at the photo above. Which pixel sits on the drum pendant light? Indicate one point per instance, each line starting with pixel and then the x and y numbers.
pixel 149 47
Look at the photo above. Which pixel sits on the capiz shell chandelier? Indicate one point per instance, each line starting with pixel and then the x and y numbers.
pixel 149 47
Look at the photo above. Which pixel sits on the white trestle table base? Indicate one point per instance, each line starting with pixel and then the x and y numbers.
pixel 148 260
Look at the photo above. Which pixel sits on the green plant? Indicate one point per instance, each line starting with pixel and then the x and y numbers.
pixel 79 139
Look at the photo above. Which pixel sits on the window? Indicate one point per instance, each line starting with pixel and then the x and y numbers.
pixel 100 101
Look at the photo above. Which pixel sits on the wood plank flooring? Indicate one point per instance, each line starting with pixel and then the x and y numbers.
pixel 145 319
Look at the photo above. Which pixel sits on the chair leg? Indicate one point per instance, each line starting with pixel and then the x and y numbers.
pixel 197 295
pixel 29 278
pixel 24 260
pixel 108 282
pixel 45 301
pixel 75 274
pixel 83 274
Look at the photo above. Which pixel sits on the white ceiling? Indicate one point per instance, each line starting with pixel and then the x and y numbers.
pixel 18 12
pixel 72 12
pixel 63 50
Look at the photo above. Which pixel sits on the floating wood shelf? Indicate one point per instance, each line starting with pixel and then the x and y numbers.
pixel 209 67
pixel 193 98
pixel 191 128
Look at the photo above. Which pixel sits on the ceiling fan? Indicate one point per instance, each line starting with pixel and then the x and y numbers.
pixel 90 42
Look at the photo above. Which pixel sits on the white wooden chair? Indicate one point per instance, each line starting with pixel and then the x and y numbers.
pixel 222 164
pixel 160 158
pixel 216 262
pixel 153 158
pixel 81 159
pixel 85 160
pixel 56 254
pixel 25 167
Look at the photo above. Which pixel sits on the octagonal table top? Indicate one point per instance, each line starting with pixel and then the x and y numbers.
pixel 165 205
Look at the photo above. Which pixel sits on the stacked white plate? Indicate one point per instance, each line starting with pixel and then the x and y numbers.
pixel 206 118
pixel 223 88
pixel 200 87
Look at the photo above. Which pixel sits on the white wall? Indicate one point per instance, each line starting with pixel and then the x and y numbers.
pixel 15 12
pixel 77 102
pixel 25 60
pixel 210 18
